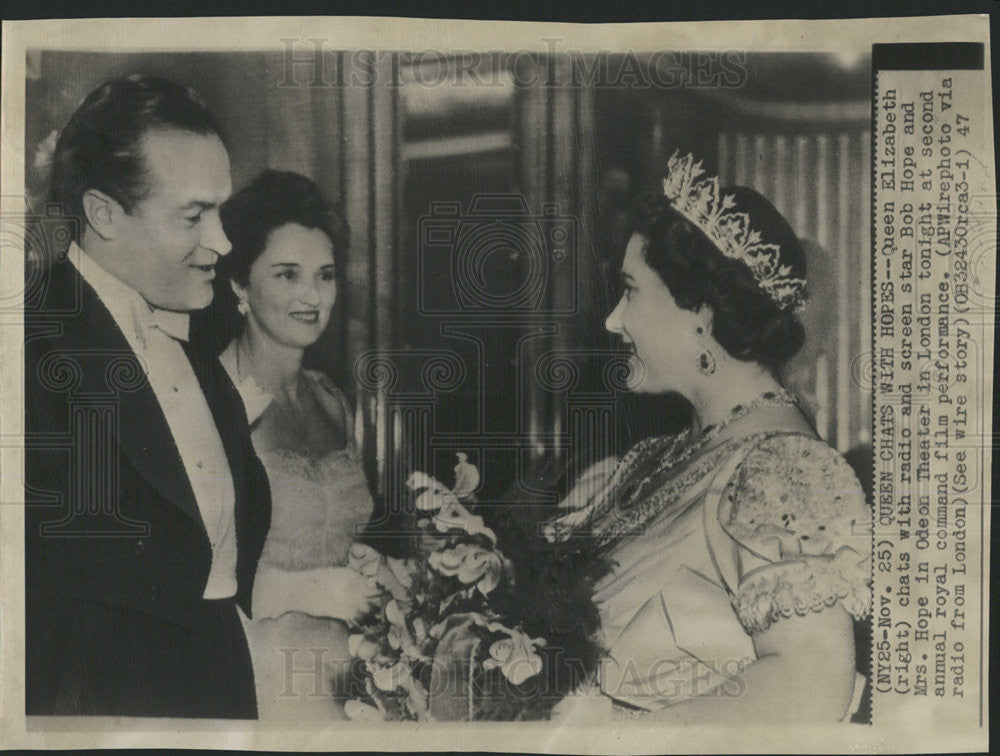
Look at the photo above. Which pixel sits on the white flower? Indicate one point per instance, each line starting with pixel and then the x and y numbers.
pixel 514 655
pixel 399 635
pixel 491 576
pixel 448 561
pixel 470 564
pixel 361 712
pixel 418 480
pixel 432 500
pixel 420 628
pixel 454 515
pixel 394 613
pixel 361 647
pixel 389 678
pixel 435 496
pixel 466 477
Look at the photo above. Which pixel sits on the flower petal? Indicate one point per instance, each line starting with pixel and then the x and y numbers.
pixel 429 501
pixel 394 613
pixel 466 477
pixel 361 712
pixel 354 643
pixel 502 649
pixel 390 678
pixel 418 480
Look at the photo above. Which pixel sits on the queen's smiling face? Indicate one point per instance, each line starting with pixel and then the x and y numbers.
pixel 661 337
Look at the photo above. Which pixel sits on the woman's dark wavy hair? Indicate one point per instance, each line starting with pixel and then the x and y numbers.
pixel 272 200
pixel 746 322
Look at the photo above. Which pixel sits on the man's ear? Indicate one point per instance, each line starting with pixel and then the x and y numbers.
pixel 103 213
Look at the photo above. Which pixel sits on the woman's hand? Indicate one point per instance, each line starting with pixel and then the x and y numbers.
pixel 387 573
pixel 351 595
pixel 334 592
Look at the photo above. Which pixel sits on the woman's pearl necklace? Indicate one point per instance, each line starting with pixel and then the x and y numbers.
pixel 248 372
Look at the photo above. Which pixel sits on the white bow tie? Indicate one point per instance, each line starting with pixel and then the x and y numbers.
pixel 175 324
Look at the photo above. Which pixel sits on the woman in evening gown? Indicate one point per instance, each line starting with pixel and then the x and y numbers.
pixel 282 270
pixel 740 546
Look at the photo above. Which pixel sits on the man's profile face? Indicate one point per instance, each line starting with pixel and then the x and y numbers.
pixel 174 235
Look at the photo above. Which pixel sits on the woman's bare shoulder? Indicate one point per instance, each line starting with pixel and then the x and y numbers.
pixel 333 399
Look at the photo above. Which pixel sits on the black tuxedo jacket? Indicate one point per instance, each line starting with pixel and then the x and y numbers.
pixel 117 556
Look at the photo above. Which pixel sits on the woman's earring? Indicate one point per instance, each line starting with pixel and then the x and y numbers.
pixel 243 307
pixel 706 362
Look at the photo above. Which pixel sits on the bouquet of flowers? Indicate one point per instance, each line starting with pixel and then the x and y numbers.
pixel 438 649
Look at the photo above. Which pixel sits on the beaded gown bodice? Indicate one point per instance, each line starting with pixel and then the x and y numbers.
pixel 716 549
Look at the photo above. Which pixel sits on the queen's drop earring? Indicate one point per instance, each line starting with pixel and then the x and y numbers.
pixel 706 360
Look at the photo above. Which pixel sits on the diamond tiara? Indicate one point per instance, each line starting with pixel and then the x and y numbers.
pixel 699 201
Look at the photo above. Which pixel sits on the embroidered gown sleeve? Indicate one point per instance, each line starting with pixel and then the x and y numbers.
pixel 801 529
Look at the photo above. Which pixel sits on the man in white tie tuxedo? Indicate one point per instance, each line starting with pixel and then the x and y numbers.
pixel 141 540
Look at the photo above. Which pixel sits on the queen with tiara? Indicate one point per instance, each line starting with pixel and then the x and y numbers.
pixel 741 546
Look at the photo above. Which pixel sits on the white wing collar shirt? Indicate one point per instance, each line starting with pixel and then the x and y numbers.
pixel 155 336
